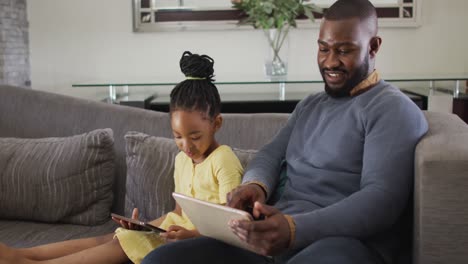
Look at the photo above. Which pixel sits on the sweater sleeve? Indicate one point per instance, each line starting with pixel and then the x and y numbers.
pixel 266 165
pixel 392 130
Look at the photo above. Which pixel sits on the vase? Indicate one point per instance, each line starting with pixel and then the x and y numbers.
pixel 276 60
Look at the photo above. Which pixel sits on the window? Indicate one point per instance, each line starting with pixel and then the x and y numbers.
pixel 161 15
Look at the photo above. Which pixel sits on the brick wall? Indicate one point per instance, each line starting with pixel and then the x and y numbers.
pixel 14 43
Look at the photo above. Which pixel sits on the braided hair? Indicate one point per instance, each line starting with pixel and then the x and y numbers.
pixel 197 92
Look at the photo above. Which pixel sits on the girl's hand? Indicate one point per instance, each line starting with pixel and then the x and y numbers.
pixel 126 224
pixel 175 233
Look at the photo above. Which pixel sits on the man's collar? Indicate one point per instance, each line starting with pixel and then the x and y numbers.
pixel 366 84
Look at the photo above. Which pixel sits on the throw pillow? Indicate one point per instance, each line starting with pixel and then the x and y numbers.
pixel 66 179
pixel 244 156
pixel 150 169
pixel 150 173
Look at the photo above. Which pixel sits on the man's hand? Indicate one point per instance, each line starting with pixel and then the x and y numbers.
pixel 175 232
pixel 268 237
pixel 245 196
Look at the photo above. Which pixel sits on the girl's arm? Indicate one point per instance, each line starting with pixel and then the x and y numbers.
pixel 158 221
pixel 175 232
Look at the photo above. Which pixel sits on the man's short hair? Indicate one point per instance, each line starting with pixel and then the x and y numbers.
pixel 345 9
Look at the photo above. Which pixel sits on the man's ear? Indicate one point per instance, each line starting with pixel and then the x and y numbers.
pixel 374 46
pixel 218 122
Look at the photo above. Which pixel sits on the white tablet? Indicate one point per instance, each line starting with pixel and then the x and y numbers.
pixel 211 219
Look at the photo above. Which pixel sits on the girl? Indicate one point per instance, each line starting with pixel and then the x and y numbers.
pixel 204 169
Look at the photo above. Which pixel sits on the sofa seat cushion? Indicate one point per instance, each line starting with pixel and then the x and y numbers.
pixel 150 173
pixel 50 180
pixel 29 234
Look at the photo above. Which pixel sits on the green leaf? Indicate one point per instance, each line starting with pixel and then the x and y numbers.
pixel 279 22
pixel 309 14
pixel 268 7
pixel 271 22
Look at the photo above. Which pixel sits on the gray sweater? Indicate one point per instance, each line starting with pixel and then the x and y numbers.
pixel 349 164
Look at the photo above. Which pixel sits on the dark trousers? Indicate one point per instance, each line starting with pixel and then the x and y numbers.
pixel 203 250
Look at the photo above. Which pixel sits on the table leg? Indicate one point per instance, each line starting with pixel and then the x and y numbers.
pixel 112 94
pixel 282 91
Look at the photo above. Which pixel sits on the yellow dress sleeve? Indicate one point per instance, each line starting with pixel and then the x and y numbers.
pixel 228 171
pixel 177 179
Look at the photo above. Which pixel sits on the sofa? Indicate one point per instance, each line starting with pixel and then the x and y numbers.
pixel 67 163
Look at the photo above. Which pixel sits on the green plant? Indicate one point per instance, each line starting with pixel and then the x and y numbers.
pixel 275 14
pixel 268 14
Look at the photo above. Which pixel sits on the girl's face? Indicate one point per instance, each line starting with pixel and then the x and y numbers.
pixel 194 133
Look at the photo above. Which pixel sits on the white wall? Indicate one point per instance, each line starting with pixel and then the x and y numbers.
pixel 92 41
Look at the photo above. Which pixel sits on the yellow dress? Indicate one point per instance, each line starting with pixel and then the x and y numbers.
pixel 210 180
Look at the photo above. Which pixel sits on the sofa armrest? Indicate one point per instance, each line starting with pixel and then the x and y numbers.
pixel 441 197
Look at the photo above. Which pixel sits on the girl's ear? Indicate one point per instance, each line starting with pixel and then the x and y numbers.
pixel 218 122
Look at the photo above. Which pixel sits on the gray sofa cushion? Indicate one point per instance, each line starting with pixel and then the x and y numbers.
pixel 66 180
pixel 150 169
pixel 150 166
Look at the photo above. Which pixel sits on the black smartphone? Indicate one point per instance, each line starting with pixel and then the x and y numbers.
pixel 143 226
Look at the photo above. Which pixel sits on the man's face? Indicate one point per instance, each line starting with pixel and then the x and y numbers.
pixel 343 55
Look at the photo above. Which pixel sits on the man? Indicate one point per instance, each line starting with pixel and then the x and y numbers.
pixel 349 155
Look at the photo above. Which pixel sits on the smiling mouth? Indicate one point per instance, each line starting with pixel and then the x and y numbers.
pixel 334 77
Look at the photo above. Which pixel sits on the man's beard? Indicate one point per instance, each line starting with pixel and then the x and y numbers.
pixel 344 91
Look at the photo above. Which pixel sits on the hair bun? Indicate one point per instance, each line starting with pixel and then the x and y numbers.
pixel 197 66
